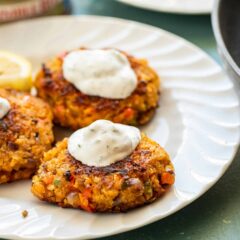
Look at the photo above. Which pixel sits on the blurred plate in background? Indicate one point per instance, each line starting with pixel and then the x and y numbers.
pixel 174 6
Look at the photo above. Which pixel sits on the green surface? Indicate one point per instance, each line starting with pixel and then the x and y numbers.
pixel 215 215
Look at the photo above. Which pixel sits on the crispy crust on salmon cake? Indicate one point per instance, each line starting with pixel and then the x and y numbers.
pixel 25 133
pixel 136 180
pixel 72 108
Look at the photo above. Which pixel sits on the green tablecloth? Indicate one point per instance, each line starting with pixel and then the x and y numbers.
pixel 216 215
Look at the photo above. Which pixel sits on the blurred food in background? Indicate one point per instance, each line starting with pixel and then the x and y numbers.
pixel 11 10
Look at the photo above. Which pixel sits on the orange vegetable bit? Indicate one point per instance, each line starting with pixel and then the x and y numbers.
pixel 48 180
pixel 128 113
pixel 167 178
pixel 87 208
pixel 87 193
pixel 59 109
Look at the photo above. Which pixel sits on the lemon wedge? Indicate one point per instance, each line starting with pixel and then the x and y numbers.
pixel 15 71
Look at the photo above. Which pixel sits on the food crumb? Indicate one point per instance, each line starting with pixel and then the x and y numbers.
pixel 24 213
pixel 226 221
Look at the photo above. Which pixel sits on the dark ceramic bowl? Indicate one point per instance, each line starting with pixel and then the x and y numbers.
pixel 226 27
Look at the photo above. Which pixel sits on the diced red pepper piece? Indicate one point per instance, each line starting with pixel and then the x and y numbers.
pixel 167 178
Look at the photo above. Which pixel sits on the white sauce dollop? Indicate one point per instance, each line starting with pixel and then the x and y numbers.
pixel 103 73
pixel 103 143
pixel 4 107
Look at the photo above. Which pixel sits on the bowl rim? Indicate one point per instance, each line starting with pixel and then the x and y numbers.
pixel 218 36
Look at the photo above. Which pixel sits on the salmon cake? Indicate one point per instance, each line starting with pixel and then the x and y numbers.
pixel 140 178
pixel 75 108
pixel 25 133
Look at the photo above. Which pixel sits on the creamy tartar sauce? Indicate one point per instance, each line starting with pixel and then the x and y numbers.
pixel 103 73
pixel 103 143
pixel 4 107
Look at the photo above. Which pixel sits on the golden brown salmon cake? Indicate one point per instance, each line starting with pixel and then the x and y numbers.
pixel 72 108
pixel 25 133
pixel 136 180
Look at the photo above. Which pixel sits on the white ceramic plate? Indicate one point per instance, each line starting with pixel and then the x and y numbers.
pixel 198 122
pixel 174 6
